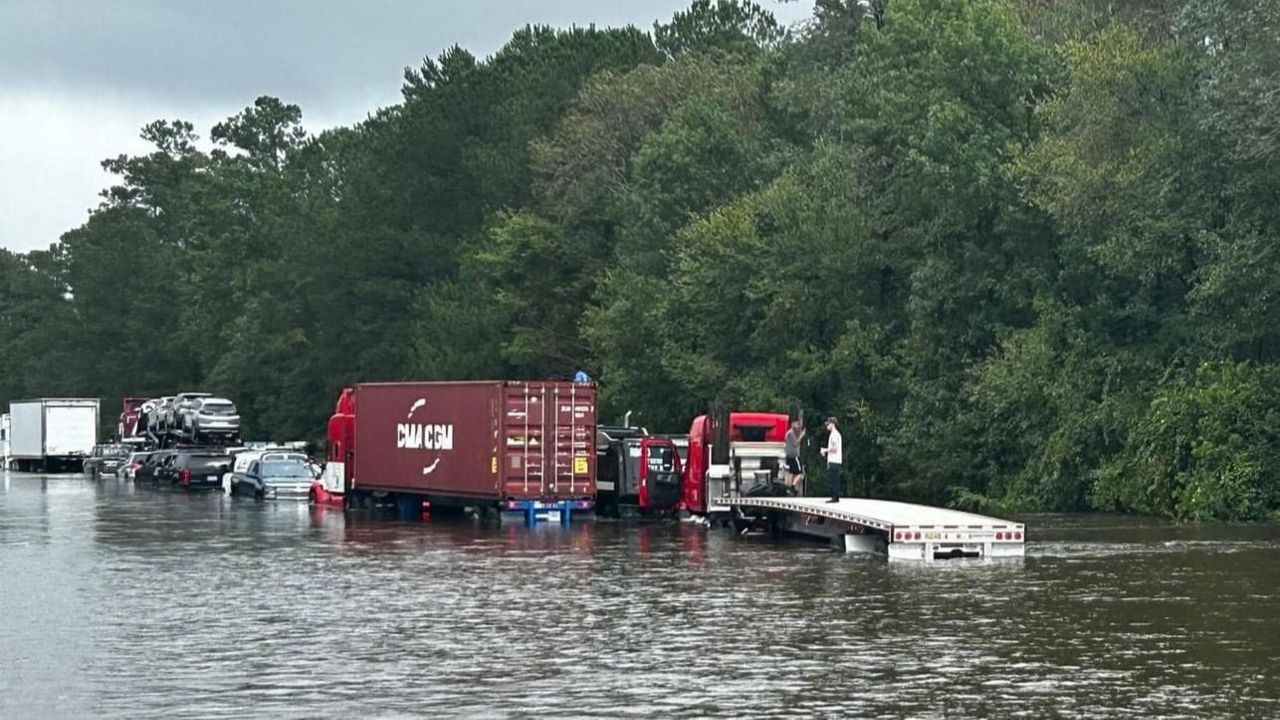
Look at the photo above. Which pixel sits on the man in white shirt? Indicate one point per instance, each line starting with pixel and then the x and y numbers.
pixel 834 452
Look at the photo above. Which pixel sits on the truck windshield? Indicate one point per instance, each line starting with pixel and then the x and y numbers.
pixel 660 458
pixel 284 469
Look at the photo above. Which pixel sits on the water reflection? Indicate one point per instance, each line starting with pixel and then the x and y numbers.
pixel 125 602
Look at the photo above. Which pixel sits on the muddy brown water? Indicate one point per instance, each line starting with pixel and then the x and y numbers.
pixel 126 602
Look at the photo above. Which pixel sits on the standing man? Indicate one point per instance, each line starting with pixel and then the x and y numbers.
pixel 834 452
pixel 795 472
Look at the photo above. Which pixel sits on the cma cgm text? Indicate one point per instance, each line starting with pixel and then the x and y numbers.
pixel 413 436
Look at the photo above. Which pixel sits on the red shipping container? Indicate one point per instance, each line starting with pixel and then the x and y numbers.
pixel 496 440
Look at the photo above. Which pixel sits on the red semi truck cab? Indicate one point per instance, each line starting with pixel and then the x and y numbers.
pixel 754 446
pixel 638 470
pixel 504 445
pixel 129 411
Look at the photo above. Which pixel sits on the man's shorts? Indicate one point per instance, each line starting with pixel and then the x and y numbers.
pixel 793 466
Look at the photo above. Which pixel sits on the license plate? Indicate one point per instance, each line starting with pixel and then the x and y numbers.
pixel 211 478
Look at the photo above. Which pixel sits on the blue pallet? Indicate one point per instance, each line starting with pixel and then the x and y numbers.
pixel 531 508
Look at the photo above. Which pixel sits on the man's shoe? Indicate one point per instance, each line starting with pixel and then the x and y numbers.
pixel 834 500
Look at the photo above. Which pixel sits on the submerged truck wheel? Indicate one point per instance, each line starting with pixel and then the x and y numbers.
pixel 489 514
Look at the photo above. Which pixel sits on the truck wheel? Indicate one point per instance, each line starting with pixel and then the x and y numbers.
pixel 259 494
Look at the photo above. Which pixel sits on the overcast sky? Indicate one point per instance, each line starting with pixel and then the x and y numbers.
pixel 78 78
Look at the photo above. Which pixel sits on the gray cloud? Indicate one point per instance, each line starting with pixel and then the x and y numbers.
pixel 321 54
pixel 78 78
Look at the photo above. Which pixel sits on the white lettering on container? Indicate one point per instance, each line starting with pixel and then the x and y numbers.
pixel 415 436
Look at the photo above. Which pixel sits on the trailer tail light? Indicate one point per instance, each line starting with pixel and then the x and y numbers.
pixel 185 475
pixel 1017 536
pixel 917 535
pixel 1000 536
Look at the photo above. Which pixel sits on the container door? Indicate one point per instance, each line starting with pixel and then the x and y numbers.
pixel 659 474
pixel 549 438
pixel 574 462
pixel 524 472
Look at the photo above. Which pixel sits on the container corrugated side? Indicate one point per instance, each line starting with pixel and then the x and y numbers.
pixel 500 440
pixel 427 437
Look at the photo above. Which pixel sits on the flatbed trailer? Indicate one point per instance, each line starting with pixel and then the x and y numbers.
pixel 898 530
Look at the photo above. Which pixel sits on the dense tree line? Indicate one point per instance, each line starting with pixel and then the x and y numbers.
pixel 1028 250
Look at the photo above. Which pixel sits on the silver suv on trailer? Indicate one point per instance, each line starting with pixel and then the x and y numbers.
pixel 209 418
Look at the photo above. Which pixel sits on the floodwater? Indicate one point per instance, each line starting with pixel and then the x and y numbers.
pixel 125 602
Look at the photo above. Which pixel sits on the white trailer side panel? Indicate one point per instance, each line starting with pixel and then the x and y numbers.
pixel 70 427
pixel 26 421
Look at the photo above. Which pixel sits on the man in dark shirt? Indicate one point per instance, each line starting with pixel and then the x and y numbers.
pixel 795 472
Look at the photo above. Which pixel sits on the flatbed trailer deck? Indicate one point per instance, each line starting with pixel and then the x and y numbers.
pixel 901 531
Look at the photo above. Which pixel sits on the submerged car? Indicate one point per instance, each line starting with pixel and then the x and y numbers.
pixel 245 458
pixel 132 464
pixel 274 479
pixel 105 460
pixel 149 470
pixel 194 469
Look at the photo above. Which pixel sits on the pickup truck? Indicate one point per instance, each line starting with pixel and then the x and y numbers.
pixel 105 460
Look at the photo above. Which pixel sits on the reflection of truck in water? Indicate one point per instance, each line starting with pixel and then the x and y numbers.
pixel 52 434
pixel 498 445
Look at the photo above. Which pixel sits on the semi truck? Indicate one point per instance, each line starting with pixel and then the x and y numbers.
pixel 52 434
pixel 4 441
pixel 724 452
pixel 495 446
pixel 130 411
pixel 637 470
pixel 732 452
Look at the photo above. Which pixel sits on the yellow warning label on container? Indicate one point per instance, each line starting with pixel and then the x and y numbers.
pixel 493 467
pixel 579 466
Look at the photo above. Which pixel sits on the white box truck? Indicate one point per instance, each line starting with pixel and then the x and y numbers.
pixel 52 434
pixel 4 441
